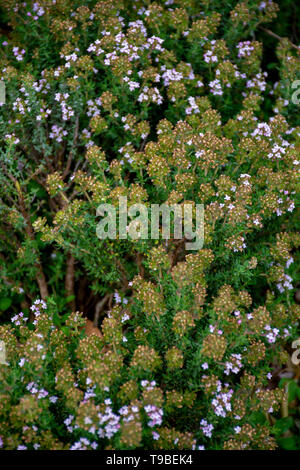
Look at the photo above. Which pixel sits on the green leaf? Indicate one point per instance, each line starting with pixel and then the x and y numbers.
pixel 69 298
pixel 283 424
pixel 66 330
pixel 5 303
pixel 36 188
pixel 288 443
pixel 257 418
pixel 56 320
pixel 293 391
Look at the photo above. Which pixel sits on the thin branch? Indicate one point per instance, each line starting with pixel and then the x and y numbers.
pixel 139 261
pixel 274 35
pixel 69 280
pixel 99 306
pixel 71 154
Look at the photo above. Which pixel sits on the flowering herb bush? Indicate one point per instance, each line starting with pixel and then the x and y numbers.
pixel 161 102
